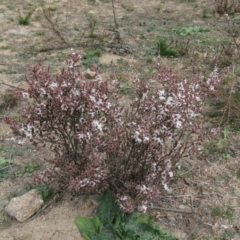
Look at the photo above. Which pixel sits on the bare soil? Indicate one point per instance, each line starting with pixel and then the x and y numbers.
pixel 200 184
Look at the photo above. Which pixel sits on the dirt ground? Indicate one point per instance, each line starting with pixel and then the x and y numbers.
pixel 201 185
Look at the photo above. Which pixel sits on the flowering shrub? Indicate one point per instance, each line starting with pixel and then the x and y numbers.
pixel 100 143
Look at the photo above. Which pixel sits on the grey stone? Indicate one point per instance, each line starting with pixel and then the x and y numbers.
pixel 16 32
pixel 90 74
pixel 25 206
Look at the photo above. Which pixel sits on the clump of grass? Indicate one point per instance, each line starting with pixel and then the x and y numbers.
pixel 25 20
pixel 186 31
pixel 225 213
pixel 91 56
pixel 125 88
pixel 47 192
pixel 29 169
pixel 166 50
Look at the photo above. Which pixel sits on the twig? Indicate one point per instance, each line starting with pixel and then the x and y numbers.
pixel 114 16
pixel 55 30
pixel 172 210
pixel 189 235
pixel 9 85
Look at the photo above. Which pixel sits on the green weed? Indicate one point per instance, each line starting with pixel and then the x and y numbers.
pixel 29 169
pixel 25 20
pixel 111 223
pixel 227 235
pixel 186 31
pixel 166 50
pixel 225 213
pixel 39 33
pixel 125 88
pixel 47 192
pixel 91 56
pixel 5 168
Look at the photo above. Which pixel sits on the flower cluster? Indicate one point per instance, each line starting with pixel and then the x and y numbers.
pixel 99 143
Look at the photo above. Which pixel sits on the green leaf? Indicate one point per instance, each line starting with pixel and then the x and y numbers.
pixel 110 223
pixel 88 227
pixel 108 208
pixel 4 161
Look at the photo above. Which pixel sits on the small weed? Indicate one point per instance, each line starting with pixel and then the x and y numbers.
pixel 111 223
pixel 39 33
pixel 92 53
pixel 25 20
pixel 166 50
pixel 29 169
pixel 76 28
pixel 92 35
pixel 205 14
pixel 186 31
pixel 4 47
pixel 92 23
pixel 91 56
pixel 47 192
pixel 125 88
pixel 5 168
pixel 18 117
pixel 225 213
pixel 227 235
pixel 61 56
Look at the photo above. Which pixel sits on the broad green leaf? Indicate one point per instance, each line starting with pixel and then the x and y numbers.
pixel 4 161
pixel 112 224
pixel 86 227
pixel 108 208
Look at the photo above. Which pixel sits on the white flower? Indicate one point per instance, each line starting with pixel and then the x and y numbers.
pixel 25 95
pixel 144 95
pixel 161 94
pixel 136 137
pixel 97 125
pixel 142 208
pixel 53 85
pixel 165 186
pixel 42 91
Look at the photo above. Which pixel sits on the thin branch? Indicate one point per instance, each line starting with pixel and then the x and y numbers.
pixel 55 30
pixel 114 16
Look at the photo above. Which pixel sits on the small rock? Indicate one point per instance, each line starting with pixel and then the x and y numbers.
pixel 168 10
pixel 25 206
pixel 90 74
pixel 16 32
